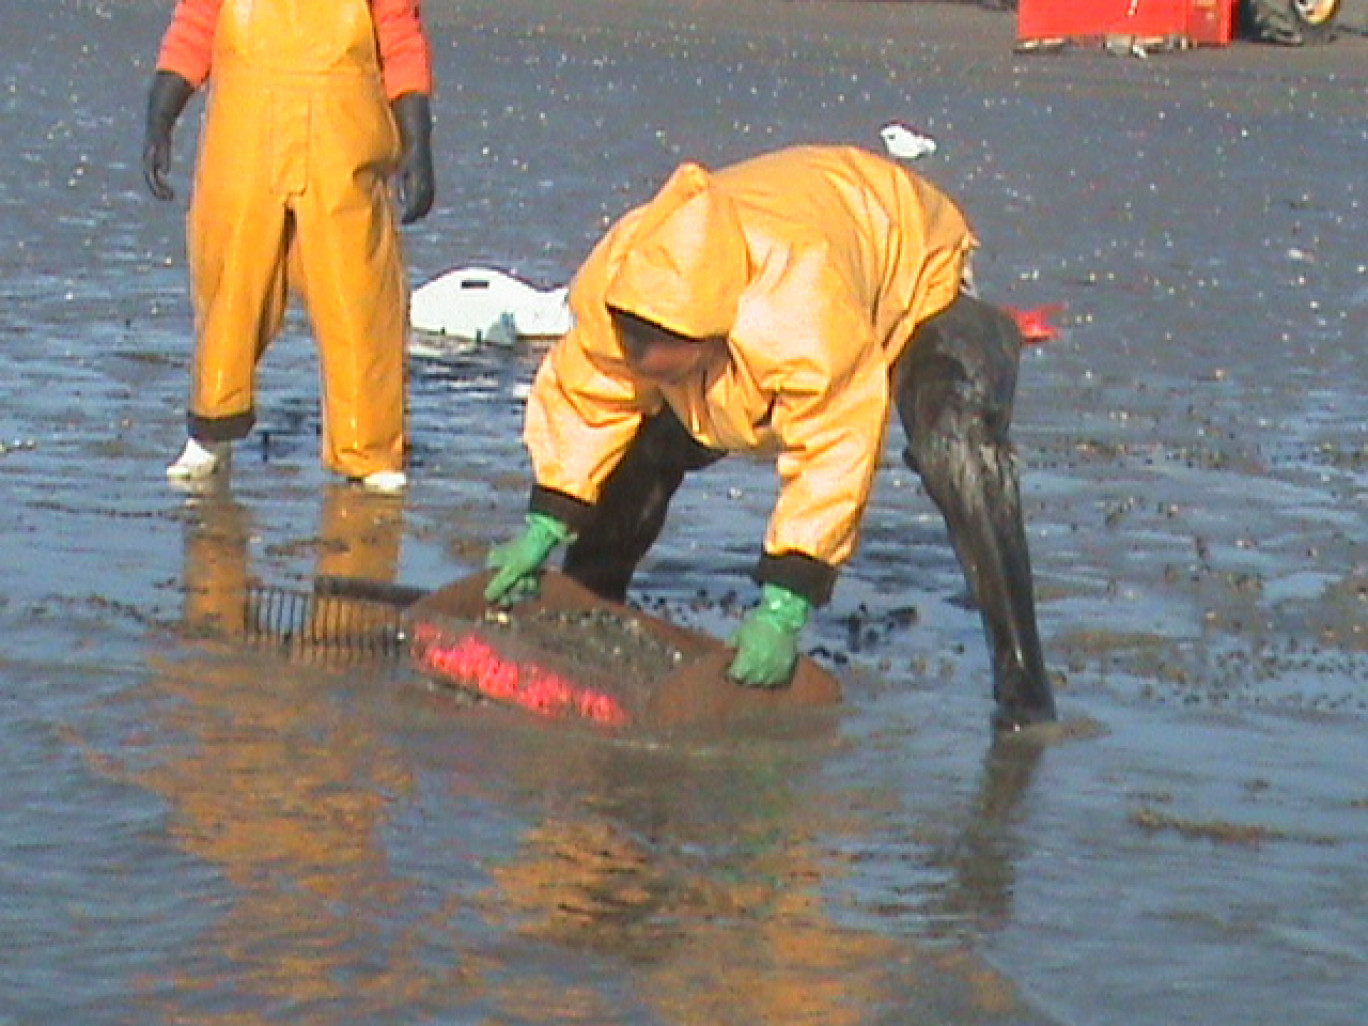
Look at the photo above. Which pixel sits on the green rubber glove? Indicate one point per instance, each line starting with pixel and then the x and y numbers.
pixel 518 562
pixel 767 642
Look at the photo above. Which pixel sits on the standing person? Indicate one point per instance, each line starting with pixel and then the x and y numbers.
pixel 314 107
pixel 783 305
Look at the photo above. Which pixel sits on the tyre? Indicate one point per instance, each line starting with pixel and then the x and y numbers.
pixel 1290 22
pixel 1316 18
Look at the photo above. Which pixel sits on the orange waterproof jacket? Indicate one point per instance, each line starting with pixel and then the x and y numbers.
pixel 816 264
pixel 405 56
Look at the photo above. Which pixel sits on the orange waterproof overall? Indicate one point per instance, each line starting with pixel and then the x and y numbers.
pixel 292 188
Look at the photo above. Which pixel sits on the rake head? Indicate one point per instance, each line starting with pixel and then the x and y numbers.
pixel 342 625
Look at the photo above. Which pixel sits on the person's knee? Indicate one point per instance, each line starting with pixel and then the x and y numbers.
pixel 959 374
pixel 940 396
pixel 950 436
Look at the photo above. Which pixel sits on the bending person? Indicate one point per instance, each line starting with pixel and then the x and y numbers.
pixel 783 305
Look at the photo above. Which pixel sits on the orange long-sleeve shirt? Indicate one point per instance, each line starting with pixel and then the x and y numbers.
pixel 405 56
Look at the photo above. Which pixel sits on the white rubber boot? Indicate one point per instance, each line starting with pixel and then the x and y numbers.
pixel 198 461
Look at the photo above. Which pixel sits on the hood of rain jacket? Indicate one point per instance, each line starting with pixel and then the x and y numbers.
pixel 688 264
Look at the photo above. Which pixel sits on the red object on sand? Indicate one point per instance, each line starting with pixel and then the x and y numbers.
pixel 467 661
pixel 532 658
pixel 1200 22
pixel 1034 323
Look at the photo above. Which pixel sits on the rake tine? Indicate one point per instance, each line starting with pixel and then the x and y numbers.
pixel 346 625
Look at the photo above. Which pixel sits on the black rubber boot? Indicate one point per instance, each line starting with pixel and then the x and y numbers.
pixel 955 389
pixel 1270 21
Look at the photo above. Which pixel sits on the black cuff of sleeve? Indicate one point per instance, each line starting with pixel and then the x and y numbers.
pixel 572 512
pixel 799 573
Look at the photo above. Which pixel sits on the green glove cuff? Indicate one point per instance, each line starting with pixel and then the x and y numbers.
pixel 547 528
pixel 785 609
pixel 518 562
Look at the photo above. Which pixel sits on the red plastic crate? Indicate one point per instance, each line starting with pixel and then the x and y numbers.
pixel 1212 22
pixel 1207 22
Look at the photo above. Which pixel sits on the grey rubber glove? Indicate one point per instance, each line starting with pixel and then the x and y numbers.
pixel 166 99
pixel 417 181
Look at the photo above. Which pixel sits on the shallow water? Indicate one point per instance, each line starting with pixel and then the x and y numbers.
pixel 197 832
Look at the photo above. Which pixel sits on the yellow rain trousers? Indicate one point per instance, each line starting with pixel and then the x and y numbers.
pixel 291 193
pixel 815 264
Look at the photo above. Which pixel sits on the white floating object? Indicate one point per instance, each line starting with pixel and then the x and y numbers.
pixel 478 304
pixel 905 143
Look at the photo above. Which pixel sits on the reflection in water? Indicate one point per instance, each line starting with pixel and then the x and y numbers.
pixel 359 534
pixel 756 948
pixel 712 886
pixel 215 571
pixel 282 791
pixel 359 537
pixel 982 859
pixel 642 883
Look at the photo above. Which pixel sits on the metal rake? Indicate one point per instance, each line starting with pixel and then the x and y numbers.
pixel 349 618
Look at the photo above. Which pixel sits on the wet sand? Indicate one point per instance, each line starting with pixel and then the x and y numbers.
pixel 196 829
